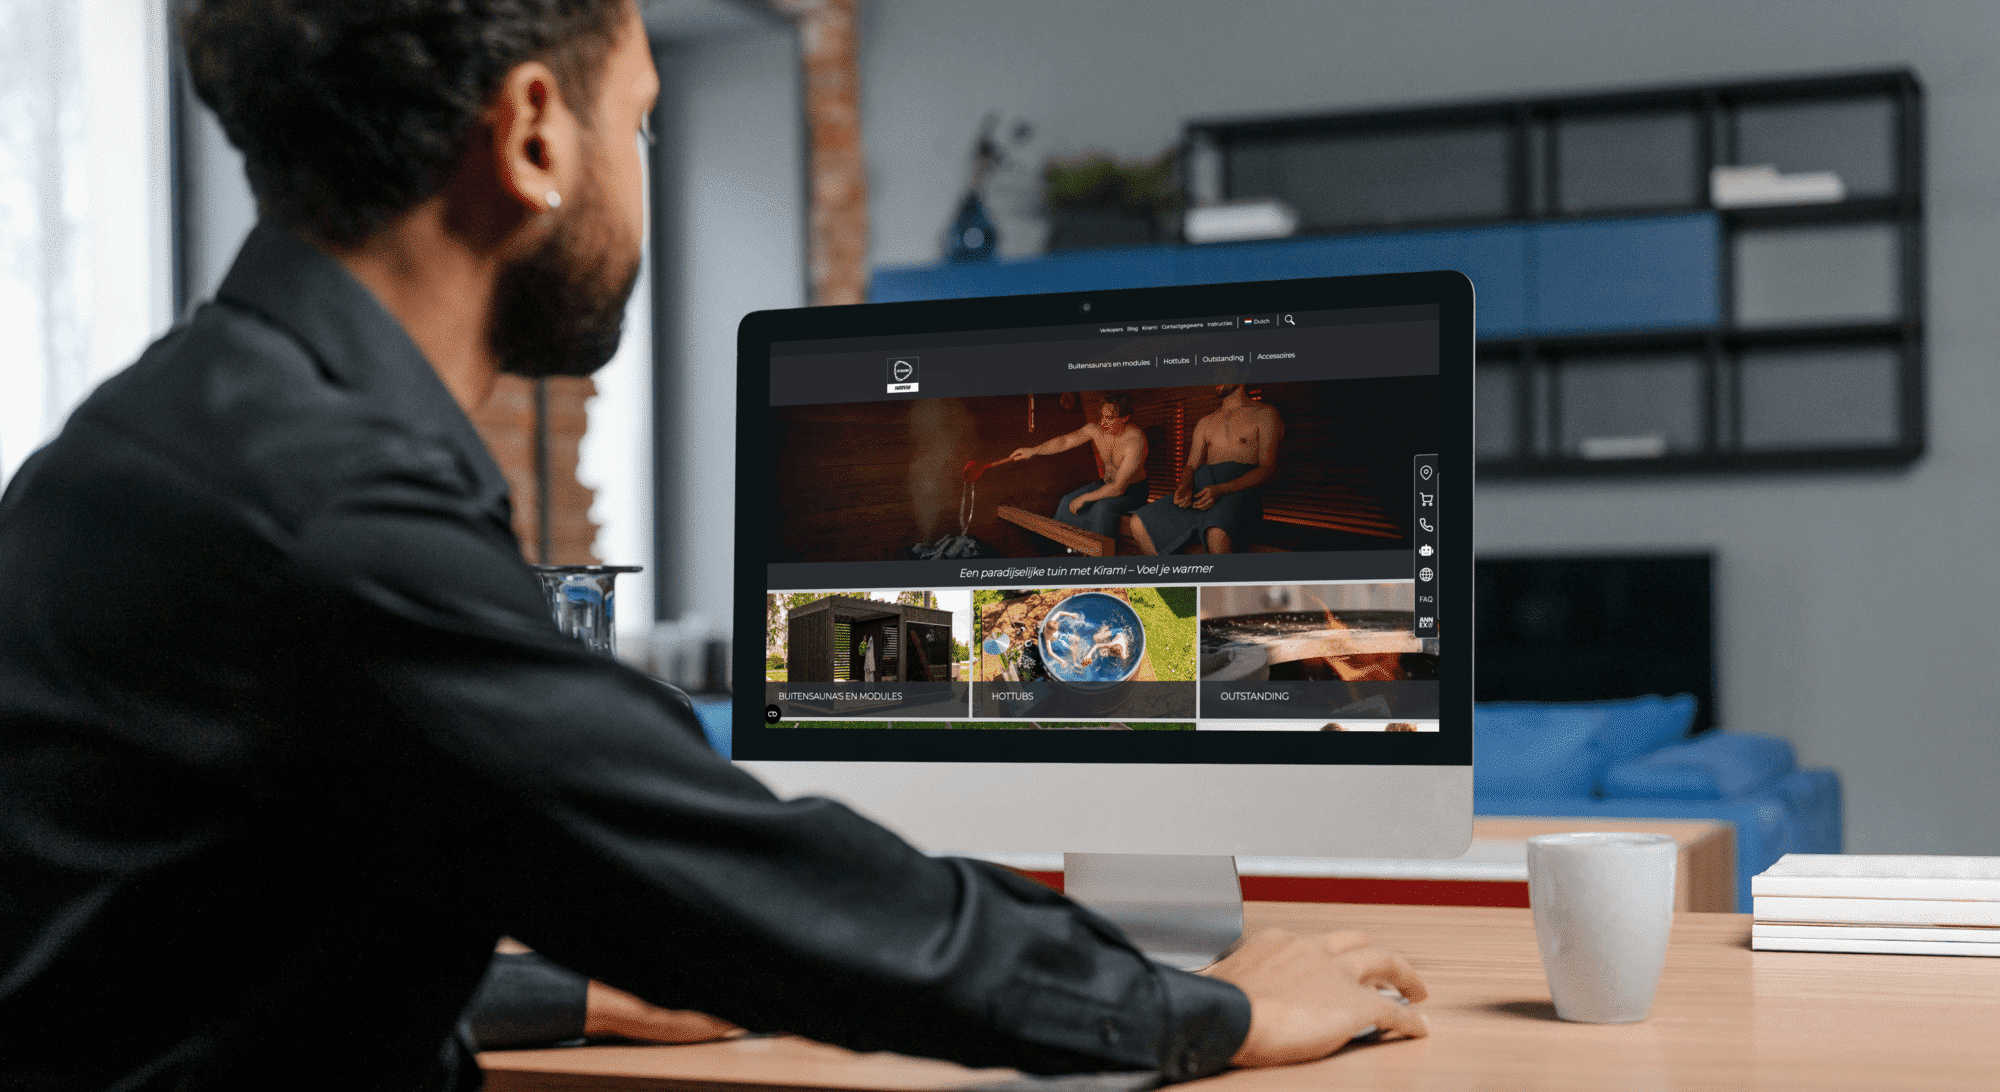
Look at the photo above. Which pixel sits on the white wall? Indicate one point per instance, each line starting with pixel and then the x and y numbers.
pixel 1855 614
pixel 220 208
pixel 738 241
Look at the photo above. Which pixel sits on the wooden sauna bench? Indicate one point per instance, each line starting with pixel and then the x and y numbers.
pixel 1088 543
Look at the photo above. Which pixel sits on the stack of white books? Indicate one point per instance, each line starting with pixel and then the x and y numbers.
pixel 1826 902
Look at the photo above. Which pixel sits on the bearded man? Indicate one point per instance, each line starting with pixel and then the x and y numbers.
pixel 288 740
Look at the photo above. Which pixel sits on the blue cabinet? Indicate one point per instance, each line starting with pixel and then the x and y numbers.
pixel 1532 279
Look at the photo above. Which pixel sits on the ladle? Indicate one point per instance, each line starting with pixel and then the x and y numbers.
pixel 973 470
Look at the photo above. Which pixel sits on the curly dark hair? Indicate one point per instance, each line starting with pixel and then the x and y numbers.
pixel 350 112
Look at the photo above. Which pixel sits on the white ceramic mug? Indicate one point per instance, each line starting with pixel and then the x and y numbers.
pixel 1603 905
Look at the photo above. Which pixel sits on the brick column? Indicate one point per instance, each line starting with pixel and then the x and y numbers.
pixel 507 424
pixel 838 232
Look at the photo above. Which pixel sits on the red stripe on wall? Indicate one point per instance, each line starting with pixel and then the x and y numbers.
pixel 1347 890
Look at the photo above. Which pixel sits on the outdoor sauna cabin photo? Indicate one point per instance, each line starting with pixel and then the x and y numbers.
pixel 919 479
pixel 842 639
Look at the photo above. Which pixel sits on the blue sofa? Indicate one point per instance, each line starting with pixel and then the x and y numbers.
pixel 1634 759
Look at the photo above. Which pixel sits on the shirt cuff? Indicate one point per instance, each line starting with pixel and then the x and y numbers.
pixel 1211 1018
pixel 527 1001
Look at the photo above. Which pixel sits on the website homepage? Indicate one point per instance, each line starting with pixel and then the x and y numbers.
pixel 1202 523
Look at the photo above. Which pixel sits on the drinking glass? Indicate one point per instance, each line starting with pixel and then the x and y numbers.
pixel 582 600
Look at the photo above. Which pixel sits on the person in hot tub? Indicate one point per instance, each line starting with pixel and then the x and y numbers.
pixel 1121 450
pixel 1233 453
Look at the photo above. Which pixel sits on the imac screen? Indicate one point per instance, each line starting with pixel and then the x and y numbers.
pixel 1165 534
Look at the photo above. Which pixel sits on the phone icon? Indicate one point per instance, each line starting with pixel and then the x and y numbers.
pixel 1426 524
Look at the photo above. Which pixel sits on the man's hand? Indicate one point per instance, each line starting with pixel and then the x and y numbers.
pixel 1310 994
pixel 1205 500
pixel 1020 453
pixel 1076 506
pixel 1183 496
pixel 609 1012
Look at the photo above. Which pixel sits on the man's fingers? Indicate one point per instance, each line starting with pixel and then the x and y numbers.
pixel 1391 1016
pixel 1376 966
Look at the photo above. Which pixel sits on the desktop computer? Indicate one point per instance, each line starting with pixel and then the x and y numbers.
pixel 1149 577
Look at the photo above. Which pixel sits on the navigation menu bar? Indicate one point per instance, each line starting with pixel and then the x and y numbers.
pixel 1424 567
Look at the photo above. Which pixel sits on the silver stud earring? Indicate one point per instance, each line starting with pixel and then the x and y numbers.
pixel 555 199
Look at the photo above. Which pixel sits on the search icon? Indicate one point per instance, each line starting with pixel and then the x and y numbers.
pixel 1289 322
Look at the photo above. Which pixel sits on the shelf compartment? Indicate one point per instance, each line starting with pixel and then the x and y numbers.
pixel 1607 162
pixel 1379 178
pixel 1497 409
pixel 1853 138
pixel 1826 273
pixel 1631 406
pixel 1653 272
pixel 1812 398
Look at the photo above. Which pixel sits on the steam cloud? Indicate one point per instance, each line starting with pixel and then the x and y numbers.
pixel 942 434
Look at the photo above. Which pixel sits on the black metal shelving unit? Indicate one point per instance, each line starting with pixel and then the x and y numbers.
pixel 1815 359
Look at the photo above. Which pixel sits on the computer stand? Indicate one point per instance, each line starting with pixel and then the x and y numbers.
pixel 1182 910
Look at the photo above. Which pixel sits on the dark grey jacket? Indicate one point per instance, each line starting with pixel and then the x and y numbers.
pixel 287 740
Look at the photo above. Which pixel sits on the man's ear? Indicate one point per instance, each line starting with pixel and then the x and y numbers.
pixel 536 139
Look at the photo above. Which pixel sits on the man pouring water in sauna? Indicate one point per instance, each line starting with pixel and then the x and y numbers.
pixel 1121 451
pixel 1219 500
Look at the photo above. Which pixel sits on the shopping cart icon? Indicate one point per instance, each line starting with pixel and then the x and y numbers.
pixel 1428 498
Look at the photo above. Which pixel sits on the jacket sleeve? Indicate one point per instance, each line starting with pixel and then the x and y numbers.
pixel 525 1001
pixel 593 823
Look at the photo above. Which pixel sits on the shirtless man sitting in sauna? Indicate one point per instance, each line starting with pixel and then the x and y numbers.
pixel 1234 451
pixel 1121 451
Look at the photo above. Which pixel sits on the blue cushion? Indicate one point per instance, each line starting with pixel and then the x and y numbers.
pixel 1531 747
pixel 1718 766
pixel 1638 725
pixel 1546 747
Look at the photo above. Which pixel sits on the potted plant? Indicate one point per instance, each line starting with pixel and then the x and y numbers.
pixel 1097 200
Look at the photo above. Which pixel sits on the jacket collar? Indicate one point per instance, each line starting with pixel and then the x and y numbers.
pixel 357 342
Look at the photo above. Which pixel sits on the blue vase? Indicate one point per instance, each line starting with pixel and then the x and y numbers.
pixel 971 237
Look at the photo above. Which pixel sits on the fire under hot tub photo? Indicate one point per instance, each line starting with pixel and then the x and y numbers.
pixel 1309 651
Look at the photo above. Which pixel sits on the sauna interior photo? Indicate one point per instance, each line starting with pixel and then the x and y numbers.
pixel 890 480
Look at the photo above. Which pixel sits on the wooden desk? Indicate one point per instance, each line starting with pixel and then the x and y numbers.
pixel 1727 1018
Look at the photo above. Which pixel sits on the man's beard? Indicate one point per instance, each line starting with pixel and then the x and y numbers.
pixel 560 311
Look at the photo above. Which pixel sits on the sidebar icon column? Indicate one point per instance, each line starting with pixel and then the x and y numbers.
pixel 1424 543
